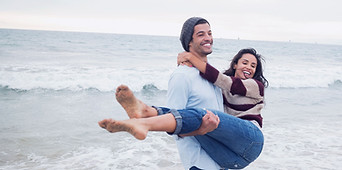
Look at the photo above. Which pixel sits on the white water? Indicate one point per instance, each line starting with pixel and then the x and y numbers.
pixel 55 86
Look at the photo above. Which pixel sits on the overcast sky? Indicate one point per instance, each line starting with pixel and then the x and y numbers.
pixel 312 21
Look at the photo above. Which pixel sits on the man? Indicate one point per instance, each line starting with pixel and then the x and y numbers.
pixel 187 88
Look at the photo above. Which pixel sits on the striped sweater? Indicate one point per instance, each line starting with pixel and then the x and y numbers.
pixel 241 98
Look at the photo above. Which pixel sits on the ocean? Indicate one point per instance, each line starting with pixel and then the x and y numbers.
pixel 55 87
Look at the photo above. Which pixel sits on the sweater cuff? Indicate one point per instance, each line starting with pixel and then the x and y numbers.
pixel 210 74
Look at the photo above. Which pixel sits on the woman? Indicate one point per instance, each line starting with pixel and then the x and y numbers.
pixel 237 141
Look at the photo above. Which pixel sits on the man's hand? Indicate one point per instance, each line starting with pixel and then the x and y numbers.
pixel 210 122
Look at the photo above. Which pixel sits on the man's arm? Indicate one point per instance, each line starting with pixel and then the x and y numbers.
pixel 177 98
pixel 210 122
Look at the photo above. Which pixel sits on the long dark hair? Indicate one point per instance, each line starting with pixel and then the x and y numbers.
pixel 258 75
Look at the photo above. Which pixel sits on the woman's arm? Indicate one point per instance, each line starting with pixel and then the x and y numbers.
pixel 195 61
pixel 249 87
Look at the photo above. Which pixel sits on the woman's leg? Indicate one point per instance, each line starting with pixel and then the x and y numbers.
pixel 169 120
pixel 221 153
pixel 233 136
pixel 139 127
pixel 234 144
pixel 133 106
pixel 143 118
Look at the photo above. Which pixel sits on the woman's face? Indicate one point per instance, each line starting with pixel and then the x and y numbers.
pixel 246 66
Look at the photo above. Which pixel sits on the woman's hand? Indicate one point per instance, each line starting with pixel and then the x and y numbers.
pixel 183 59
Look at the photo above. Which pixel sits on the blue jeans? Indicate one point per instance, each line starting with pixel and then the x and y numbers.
pixel 234 144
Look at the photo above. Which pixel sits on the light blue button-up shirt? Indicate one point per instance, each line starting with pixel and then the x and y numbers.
pixel 187 89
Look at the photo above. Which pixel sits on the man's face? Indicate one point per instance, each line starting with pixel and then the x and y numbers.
pixel 202 40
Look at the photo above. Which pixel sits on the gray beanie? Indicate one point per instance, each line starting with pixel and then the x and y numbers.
pixel 188 31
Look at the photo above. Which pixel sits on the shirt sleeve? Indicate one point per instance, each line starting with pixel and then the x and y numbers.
pixel 178 91
pixel 214 76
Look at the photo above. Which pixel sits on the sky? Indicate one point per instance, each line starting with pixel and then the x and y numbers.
pixel 309 21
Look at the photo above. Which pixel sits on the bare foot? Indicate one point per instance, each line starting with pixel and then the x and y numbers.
pixel 133 106
pixel 131 126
